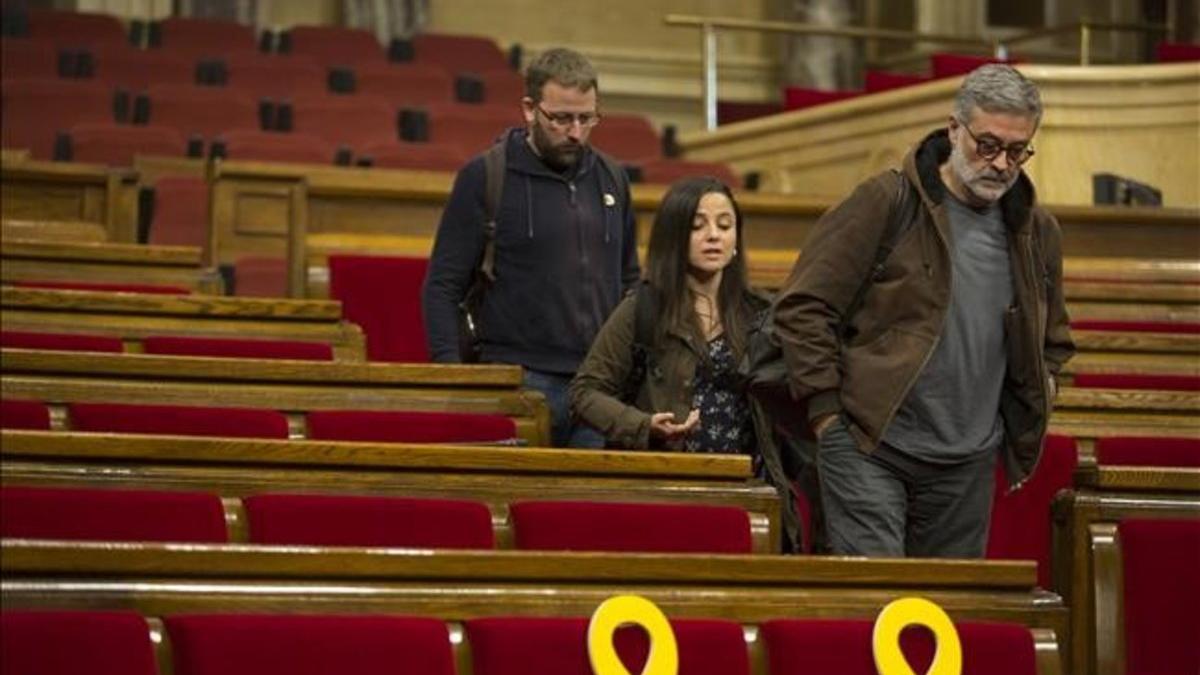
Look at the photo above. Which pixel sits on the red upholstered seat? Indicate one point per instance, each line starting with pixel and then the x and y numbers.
pixel 1177 52
pixel 60 342
pixel 31 59
pixel 180 215
pixel 882 80
pixel 1137 381
pixel 351 121
pixel 355 520
pixel 73 642
pixel 260 276
pixel 945 64
pixel 417 156
pixel 729 112
pixel 134 69
pixel 111 515
pixel 177 420
pixel 522 645
pixel 36 111
pixel 204 111
pixel 76 29
pixel 472 127
pixel 405 84
pixel 110 288
pixel 266 146
pixel 1021 521
pixel 503 86
pixel 390 426
pixel 459 53
pixel 336 45
pixel 382 294
pixel 297 644
pixel 117 144
pixel 630 527
pixel 795 98
pixel 1137 326
pixel 1138 451
pixel 843 647
pixel 627 137
pixel 667 171
pixel 274 77
pixel 1161 563
pixel 238 348
pixel 24 415
pixel 210 36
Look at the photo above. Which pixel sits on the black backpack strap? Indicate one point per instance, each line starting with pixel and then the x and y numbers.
pixel 899 217
pixel 615 170
pixel 494 168
pixel 645 312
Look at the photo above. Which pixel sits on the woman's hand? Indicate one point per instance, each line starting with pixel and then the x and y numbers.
pixel 663 425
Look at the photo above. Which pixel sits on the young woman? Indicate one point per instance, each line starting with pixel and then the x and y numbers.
pixel 679 392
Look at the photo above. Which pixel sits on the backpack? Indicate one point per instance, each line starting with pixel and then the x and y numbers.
pixel 762 369
pixel 494 163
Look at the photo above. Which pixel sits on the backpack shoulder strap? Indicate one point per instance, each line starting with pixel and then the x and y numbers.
pixel 615 170
pixel 644 316
pixel 494 168
pixel 900 215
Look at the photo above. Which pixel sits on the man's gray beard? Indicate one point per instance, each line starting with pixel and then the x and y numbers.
pixel 962 170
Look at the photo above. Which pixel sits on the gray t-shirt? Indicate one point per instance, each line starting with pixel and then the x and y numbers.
pixel 952 412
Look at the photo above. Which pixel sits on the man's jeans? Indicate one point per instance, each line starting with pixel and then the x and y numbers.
pixel 888 504
pixel 564 433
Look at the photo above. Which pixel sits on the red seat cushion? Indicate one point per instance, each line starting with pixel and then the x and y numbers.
pixel 1139 451
pixel 111 288
pixel 345 520
pixel 1161 560
pixel 945 64
pixel 799 97
pixel 180 211
pixel 1020 528
pixel 61 342
pixel 178 420
pixel 1135 381
pixel 24 415
pixel 608 526
pixel 843 647
pixel 1138 326
pixel 71 642
pixel 117 515
pixel 409 427
pixel 1176 52
pixel 255 644
pixel 519 646
pixel 382 294
pixel 882 80
pixel 235 348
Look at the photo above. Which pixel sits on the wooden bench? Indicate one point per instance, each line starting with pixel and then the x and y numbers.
pixel 1083 520
pixel 133 316
pixel 235 468
pixel 294 387
pixel 53 230
pixel 1092 413
pixel 39 190
pixel 104 262
pixel 458 586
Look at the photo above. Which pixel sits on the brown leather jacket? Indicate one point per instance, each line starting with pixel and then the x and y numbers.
pixel 867 376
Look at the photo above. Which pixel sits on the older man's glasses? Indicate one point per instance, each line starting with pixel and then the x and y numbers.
pixel 990 147
pixel 565 120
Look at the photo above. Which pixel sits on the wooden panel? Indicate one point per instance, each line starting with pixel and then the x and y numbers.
pixel 105 262
pixel 37 190
pixel 54 230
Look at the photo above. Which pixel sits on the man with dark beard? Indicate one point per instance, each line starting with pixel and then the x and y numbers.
pixel 948 357
pixel 565 244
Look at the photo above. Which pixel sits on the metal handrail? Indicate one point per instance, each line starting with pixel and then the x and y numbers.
pixel 999 46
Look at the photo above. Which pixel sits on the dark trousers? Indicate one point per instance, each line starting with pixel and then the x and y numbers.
pixel 889 504
pixel 565 432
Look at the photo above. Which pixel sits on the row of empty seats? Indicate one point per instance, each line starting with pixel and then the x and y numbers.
pixel 369 521
pixel 111 642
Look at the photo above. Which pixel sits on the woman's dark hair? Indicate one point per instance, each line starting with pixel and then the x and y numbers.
pixel 667 265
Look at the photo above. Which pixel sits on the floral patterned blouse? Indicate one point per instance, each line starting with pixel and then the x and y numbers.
pixel 725 423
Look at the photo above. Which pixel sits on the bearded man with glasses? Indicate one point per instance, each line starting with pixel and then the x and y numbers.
pixel 923 327
pixel 537 243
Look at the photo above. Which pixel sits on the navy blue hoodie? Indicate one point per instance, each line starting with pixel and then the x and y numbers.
pixel 566 250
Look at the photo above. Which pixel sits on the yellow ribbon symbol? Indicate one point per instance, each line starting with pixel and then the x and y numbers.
pixel 623 610
pixel 885 642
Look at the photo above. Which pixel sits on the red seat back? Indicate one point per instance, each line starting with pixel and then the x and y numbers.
pixel 667 171
pixel 265 146
pixel 630 527
pixel 1138 451
pixel 76 29
pixel 502 86
pixel 459 53
pixel 882 80
pixel 111 515
pixel 796 98
pixel 334 46
pixel 945 64
pixel 177 420
pixel 1021 522
pixel 254 644
pixel 1161 563
pixel 356 520
pixel 36 111
pixel 273 77
pixel 405 84
pixel 391 426
pixel 1136 381
pixel 135 70
pixel 116 144
pixel 352 121
pixel 237 348
pixel 72 642
pixel 203 111
pixel 29 59
pixel 473 128
pixel 212 36
pixel 60 342
pixel 24 415
pixel 180 212
pixel 260 276
pixel 417 156
pixel 627 137
pixel 382 294
pixel 521 645
pixel 106 287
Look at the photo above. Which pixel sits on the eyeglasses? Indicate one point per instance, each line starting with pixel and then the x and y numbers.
pixel 564 120
pixel 989 147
